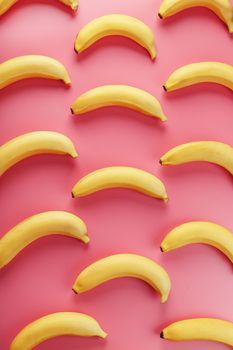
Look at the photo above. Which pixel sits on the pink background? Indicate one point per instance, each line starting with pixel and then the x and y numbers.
pixel 38 281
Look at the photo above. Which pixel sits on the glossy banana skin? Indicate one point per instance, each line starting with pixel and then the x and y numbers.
pixel 54 325
pixel 209 151
pixel 222 8
pixel 5 5
pixel 37 226
pixel 120 177
pixel 200 329
pixel 124 265
pixel 116 24
pixel 30 144
pixel 32 66
pixel 200 72
pixel 118 95
pixel 199 232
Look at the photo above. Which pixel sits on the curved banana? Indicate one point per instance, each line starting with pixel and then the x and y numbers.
pixel 122 25
pixel 37 226
pixel 222 8
pixel 201 72
pixel 55 325
pixel 124 265
pixel 211 329
pixel 33 143
pixel 118 95
pixel 120 177
pixel 199 232
pixel 31 66
pixel 208 151
pixel 5 5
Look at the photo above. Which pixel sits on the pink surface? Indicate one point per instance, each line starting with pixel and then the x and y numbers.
pixel 39 280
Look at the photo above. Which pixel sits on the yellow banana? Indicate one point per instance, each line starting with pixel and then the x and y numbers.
pixel 71 3
pixel 55 325
pixel 118 95
pixel 33 143
pixel 5 5
pixel 37 226
pixel 211 329
pixel 124 265
pixel 208 151
pixel 31 66
pixel 120 177
pixel 115 24
pixel 222 8
pixel 199 232
pixel 200 72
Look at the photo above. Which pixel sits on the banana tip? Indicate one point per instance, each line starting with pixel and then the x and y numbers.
pixel 76 50
pixel 160 16
pixel 72 194
pixel 72 111
pixel 85 239
pixel 104 334
pixel 74 154
pixel 160 162
pixel 153 57
pixel 161 335
pixel 74 290
pixel 165 88
pixel 161 248
pixel 74 6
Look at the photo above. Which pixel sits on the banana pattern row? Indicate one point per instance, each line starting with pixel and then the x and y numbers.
pixel 67 224
pixel 78 324
pixel 40 142
pixel 222 8
pixel 35 66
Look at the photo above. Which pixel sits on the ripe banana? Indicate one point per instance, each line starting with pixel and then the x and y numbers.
pixel 199 232
pixel 31 66
pixel 222 8
pixel 124 265
pixel 200 72
pixel 5 5
pixel 118 95
pixel 55 325
pixel 122 25
pixel 34 143
pixel 200 329
pixel 120 177
pixel 37 226
pixel 209 151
